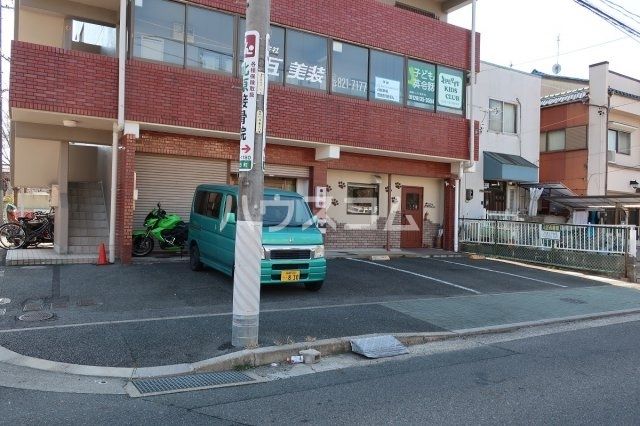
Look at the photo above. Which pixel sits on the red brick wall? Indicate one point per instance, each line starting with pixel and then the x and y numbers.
pixel 396 30
pixel 214 103
pixel 51 79
pixel 124 198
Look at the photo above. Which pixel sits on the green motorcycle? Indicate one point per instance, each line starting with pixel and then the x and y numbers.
pixel 170 231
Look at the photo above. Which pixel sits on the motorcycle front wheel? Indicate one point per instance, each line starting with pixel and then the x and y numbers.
pixel 12 236
pixel 142 246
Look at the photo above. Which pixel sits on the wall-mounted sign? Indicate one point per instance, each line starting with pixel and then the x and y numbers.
pixel 549 232
pixel 302 71
pixel 387 90
pixel 450 88
pixel 421 84
pixel 249 92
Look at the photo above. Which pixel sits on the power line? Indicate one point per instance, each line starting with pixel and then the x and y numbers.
pixel 631 32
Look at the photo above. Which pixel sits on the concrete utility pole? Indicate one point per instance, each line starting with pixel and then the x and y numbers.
pixel 248 250
pixel 1 126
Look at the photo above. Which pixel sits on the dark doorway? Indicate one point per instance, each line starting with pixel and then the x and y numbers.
pixel 495 197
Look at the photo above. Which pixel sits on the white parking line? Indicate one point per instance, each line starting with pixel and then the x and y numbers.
pixel 417 275
pixel 502 272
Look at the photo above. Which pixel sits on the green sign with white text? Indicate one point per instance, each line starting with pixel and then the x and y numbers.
pixel 421 84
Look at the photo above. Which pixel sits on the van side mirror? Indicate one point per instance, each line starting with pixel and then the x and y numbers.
pixel 315 219
pixel 231 218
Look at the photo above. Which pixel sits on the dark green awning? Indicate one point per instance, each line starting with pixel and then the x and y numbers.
pixel 508 167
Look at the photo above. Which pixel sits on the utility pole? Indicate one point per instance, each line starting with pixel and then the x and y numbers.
pixel 1 125
pixel 248 250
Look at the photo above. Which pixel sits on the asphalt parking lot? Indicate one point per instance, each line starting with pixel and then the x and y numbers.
pixel 156 314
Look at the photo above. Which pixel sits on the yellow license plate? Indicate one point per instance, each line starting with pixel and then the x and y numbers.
pixel 290 276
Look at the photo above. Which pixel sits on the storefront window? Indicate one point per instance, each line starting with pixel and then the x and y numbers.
pixel 421 84
pixel 451 88
pixel 349 69
pixel 362 198
pixel 159 31
pixel 275 67
pixel 386 77
pixel 209 40
pixel 306 62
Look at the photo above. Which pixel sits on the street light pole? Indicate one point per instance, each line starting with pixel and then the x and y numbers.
pixel 248 250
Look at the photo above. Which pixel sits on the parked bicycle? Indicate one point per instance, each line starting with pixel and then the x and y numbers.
pixel 28 231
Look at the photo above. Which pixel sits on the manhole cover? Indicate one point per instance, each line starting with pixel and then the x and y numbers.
pixel 36 316
pixel 4 301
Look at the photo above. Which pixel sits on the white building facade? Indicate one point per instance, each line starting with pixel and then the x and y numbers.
pixel 507 106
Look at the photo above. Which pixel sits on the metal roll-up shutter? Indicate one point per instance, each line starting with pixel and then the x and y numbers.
pixel 171 181
pixel 279 170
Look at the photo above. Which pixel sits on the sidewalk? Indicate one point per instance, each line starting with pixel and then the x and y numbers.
pixel 187 340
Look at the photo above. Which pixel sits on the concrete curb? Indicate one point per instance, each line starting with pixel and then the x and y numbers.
pixel 264 356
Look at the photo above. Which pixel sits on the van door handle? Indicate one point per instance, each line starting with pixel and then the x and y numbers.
pixel 196 226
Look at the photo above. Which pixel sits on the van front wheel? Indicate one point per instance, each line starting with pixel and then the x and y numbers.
pixel 194 258
pixel 315 286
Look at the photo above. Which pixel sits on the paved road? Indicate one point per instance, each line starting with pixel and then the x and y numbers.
pixel 146 315
pixel 588 376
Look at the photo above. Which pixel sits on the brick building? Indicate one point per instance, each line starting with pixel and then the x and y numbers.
pixel 366 98
pixel 589 142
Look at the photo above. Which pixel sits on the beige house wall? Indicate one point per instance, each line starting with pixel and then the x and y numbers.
pixel 433 194
pixel 36 163
pixel 40 27
pixel 82 163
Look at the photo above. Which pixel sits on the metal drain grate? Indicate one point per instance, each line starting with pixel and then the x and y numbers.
pixel 378 346
pixel 36 316
pixel 177 383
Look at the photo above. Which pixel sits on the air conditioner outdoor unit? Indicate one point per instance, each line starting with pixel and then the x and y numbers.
pixel 611 156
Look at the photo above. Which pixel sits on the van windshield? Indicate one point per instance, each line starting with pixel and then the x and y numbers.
pixel 282 210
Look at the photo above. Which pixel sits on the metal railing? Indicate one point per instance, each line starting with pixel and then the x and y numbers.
pixel 602 248
pixel 590 238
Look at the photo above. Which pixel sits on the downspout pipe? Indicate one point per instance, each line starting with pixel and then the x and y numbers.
pixel 118 127
pixel 472 82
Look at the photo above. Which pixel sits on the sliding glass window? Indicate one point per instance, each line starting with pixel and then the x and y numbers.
pixel 349 65
pixel 209 40
pixel 306 60
pixel 386 77
pixel 275 67
pixel 159 31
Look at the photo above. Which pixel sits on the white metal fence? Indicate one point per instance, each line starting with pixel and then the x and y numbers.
pixel 583 238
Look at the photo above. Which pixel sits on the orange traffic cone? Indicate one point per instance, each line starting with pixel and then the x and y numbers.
pixel 102 255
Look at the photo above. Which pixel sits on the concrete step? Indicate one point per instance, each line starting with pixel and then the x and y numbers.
pixel 83 192
pixel 85 185
pixel 81 215
pixel 89 232
pixel 84 250
pixel 87 223
pixel 82 200
pixel 87 241
pixel 95 208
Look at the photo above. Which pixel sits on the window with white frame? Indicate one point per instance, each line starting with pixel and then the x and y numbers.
pixel 362 198
pixel 502 116
pixel 619 141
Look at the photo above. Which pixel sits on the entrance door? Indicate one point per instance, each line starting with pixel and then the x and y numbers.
pixel 411 210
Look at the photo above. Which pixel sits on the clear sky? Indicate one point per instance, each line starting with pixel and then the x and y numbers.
pixel 523 33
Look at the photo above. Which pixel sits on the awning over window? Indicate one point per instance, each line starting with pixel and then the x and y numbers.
pixel 508 167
